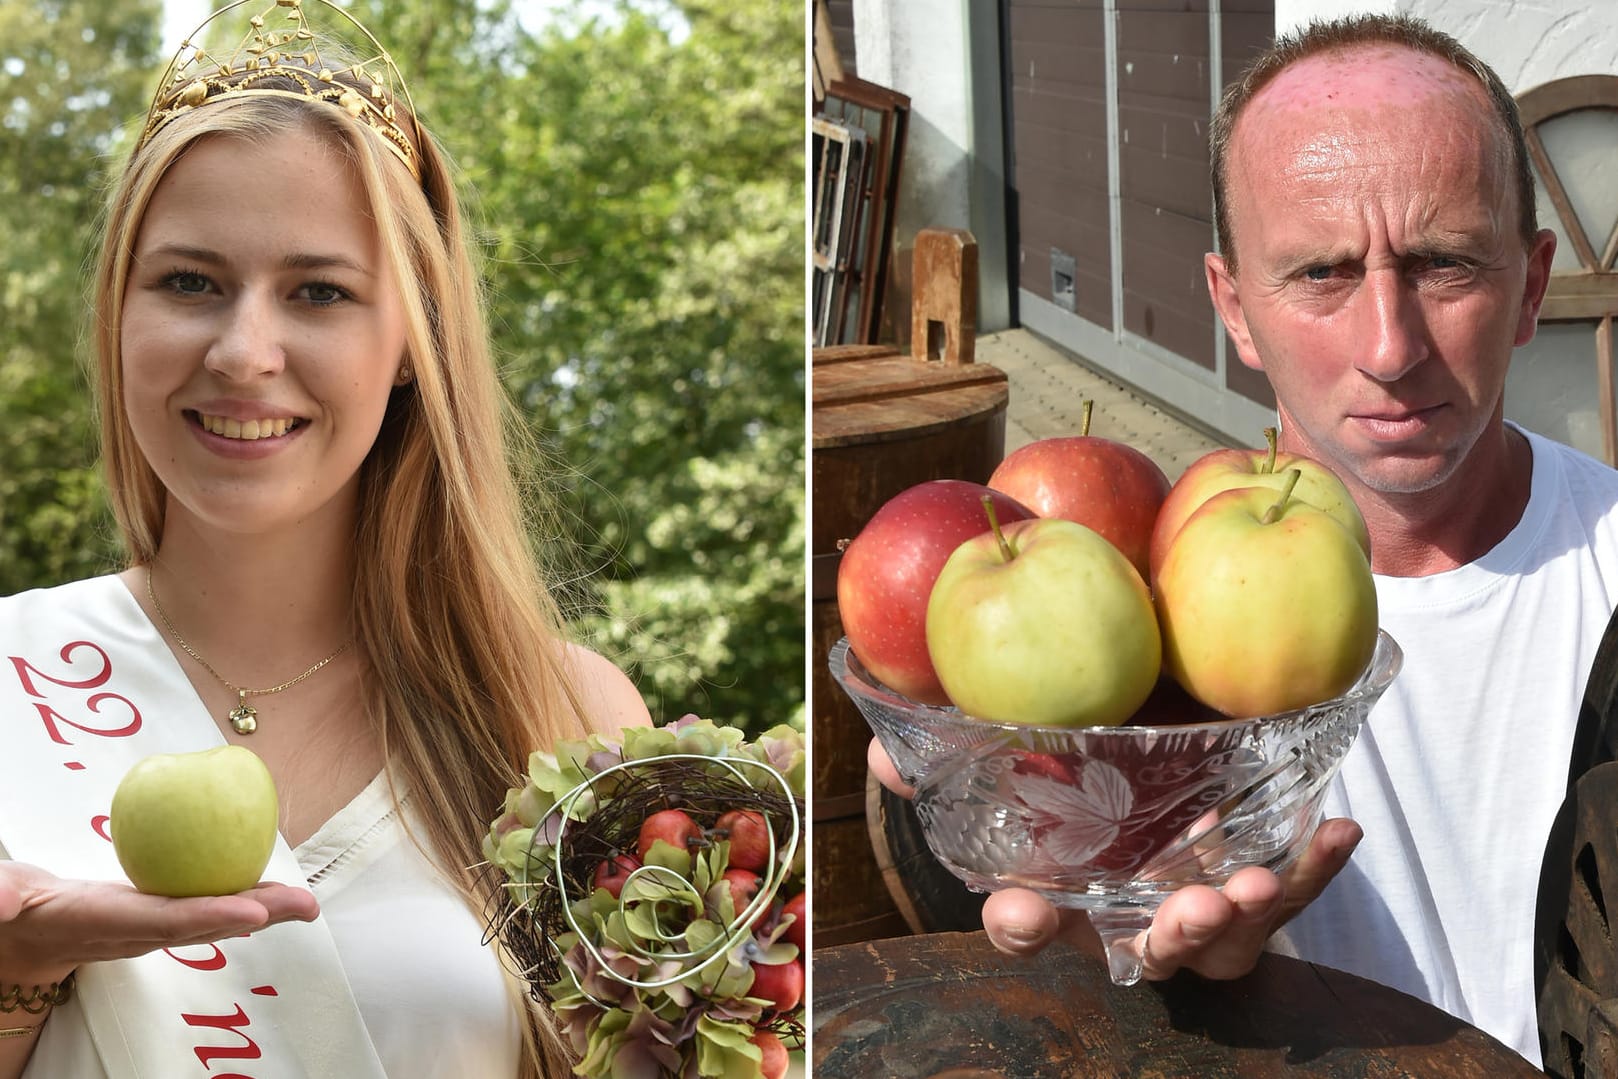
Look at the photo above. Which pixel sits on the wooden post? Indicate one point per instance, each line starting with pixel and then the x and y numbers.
pixel 828 66
pixel 944 310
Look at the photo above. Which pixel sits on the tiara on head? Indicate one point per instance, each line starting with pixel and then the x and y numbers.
pixel 289 55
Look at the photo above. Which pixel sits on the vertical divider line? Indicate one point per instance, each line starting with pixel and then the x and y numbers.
pixel 1115 217
pixel 1216 85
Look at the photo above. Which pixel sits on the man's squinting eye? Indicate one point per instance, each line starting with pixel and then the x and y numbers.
pixel 1317 273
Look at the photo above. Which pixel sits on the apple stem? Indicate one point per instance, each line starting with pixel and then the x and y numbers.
pixel 1273 514
pixel 1269 462
pixel 1007 551
pixel 1086 407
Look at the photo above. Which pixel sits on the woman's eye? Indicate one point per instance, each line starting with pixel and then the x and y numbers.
pixel 187 283
pixel 322 294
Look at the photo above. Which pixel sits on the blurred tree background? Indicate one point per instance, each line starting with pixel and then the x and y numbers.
pixel 635 173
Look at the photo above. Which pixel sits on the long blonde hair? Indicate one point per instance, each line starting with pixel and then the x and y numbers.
pixel 463 641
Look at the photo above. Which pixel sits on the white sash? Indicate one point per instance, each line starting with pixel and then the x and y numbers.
pixel 87 688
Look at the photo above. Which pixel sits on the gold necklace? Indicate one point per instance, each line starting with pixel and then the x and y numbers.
pixel 244 717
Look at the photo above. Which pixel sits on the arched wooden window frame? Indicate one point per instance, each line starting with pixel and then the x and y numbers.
pixel 1590 293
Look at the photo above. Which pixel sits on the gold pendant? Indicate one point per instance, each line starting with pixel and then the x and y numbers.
pixel 244 718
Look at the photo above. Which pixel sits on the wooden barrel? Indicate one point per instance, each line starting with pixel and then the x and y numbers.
pixel 881 422
pixel 928 897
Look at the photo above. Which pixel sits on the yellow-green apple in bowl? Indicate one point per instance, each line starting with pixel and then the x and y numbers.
pixel 1043 622
pixel 1266 603
pixel 1228 469
pixel 192 824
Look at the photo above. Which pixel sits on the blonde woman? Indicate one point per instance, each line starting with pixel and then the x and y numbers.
pixel 306 447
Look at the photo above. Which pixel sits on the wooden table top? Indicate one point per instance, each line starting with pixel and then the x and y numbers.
pixel 949 1006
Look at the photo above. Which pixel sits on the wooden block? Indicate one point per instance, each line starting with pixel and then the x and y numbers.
pixel 944 308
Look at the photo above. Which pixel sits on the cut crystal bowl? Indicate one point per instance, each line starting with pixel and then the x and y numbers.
pixel 1113 819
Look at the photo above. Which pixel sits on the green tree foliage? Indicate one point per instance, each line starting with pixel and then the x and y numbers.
pixel 71 73
pixel 636 178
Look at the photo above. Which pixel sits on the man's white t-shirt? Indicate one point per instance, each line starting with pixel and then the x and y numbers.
pixel 1461 767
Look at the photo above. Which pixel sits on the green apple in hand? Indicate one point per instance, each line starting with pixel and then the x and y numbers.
pixel 1266 603
pixel 1043 623
pixel 190 824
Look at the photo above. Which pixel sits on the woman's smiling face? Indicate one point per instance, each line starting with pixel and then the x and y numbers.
pixel 261 333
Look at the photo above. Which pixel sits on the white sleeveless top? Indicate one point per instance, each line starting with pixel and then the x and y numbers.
pixel 433 997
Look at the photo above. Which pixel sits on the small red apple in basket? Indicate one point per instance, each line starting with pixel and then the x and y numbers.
pixel 673 826
pixel 749 836
pixel 681 951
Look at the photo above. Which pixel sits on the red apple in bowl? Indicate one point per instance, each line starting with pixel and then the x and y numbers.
pixel 887 572
pixel 1043 623
pixel 1223 470
pixel 1266 603
pixel 1104 485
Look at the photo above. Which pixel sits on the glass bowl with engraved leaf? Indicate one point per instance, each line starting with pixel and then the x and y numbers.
pixel 1113 819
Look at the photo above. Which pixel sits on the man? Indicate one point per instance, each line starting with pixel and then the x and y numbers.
pixel 1380 260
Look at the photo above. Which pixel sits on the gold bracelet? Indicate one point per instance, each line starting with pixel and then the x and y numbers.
pixel 35 1000
pixel 16 1032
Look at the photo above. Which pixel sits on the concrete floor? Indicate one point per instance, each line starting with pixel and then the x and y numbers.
pixel 1049 384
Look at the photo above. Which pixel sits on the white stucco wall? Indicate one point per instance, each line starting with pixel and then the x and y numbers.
pixel 944 55
pixel 1552 384
pixel 1527 42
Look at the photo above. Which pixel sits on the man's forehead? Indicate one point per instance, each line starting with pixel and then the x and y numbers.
pixel 1364 76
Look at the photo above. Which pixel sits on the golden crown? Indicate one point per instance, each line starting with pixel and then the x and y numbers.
pixel 290 56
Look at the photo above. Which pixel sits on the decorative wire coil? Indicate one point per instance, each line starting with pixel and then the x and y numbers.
pixel 528 916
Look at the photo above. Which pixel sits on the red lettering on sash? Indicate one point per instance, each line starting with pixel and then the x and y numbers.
pixel 86 675
pixel 32 678
pixel 25 669
pixel 205 1053
pixel 54 720
pixel 216 961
